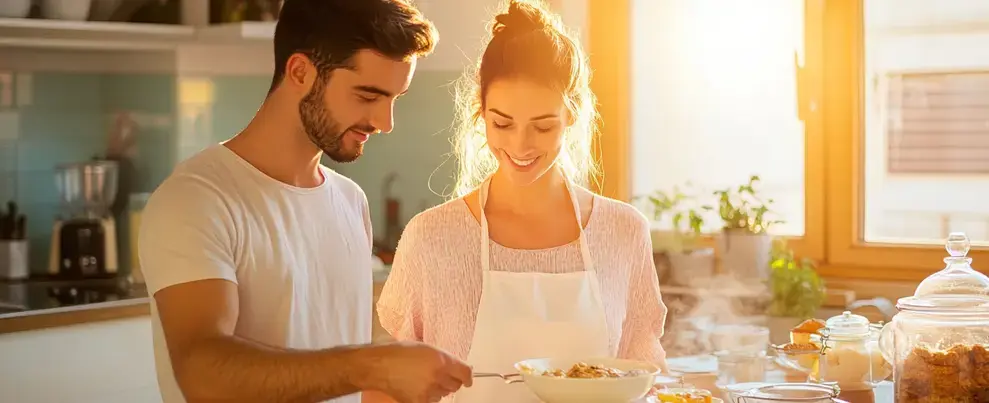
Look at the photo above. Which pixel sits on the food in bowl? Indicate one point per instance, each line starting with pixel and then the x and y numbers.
pixel 537 376
pixel 582 370
pixel 684 396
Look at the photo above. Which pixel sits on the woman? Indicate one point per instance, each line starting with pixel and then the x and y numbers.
pixel 526 262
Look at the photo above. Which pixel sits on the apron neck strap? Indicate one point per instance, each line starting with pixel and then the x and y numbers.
pixel 482 198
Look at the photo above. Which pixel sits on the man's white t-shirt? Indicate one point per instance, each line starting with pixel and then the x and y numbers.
pixel 301 257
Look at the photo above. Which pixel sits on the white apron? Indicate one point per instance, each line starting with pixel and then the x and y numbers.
pixel 532 315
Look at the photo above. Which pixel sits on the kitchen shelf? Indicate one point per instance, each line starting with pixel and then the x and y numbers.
pixel 98 35
pixel 241 31
pixel 42 33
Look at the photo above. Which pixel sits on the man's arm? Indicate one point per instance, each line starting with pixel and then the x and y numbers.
pixel 211 363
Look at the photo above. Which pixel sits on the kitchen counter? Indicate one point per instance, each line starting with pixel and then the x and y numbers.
pixel 44 303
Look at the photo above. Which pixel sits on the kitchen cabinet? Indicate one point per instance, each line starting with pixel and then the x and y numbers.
pixel 107 362
pixel 36 44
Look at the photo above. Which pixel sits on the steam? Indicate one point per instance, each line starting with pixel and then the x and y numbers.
pixel 725 314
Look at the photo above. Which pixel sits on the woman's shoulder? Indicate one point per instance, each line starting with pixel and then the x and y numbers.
pixel 449 217
pixel 618 210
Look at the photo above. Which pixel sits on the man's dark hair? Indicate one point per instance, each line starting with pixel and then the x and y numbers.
pixel 330 32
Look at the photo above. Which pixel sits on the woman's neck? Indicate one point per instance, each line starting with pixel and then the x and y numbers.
pixel 547 193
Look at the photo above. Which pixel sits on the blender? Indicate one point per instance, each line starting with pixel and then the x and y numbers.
pixel 84 241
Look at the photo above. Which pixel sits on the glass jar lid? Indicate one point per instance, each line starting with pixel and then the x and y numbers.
pixel 957 287
pixel 958 277
pixel 794 392
pixel 847 325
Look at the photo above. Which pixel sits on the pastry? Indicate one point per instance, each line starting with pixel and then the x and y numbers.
pixel 800 335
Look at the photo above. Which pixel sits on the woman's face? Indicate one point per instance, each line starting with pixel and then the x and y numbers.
pixel 524 124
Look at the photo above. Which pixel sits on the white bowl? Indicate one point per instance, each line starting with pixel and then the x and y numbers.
pixel 597 390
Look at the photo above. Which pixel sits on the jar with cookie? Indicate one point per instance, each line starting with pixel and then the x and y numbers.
pixel 938 342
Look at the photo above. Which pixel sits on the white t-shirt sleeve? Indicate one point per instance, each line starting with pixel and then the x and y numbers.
pixel 366 213
pixel 187 234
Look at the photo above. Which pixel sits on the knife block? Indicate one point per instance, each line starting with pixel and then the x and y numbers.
pixel 14 259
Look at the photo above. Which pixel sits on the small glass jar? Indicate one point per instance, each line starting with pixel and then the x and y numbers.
pixel 939 341
pixel 851 358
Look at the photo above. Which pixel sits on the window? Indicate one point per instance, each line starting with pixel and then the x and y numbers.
pixel 867 119
pixel 908 85
pixel 714 100
pixel 935 123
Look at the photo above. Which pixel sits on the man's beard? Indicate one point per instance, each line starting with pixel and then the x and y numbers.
pixel 324 131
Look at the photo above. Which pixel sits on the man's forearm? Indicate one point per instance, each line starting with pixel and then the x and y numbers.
pixel 236 369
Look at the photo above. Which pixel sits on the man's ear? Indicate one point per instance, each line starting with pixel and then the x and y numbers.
pixel 300 72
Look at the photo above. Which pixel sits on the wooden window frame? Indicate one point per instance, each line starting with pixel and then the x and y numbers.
pixel 831 96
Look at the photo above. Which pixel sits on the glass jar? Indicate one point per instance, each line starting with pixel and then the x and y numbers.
pixel 790 392
pixel 851 357
pixel 938 343
pixel 741 366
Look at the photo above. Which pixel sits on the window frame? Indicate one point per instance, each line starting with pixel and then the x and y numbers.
pixel 830 99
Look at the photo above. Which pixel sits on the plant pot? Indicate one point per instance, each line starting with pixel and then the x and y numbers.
pixel 15 8
pixel 692 268
pixel 72 10
pixel 745 255
pixel 665 241
pixel 779 328
pixel 662 262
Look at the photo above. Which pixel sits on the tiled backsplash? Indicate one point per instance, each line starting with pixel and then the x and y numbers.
pixel 48 119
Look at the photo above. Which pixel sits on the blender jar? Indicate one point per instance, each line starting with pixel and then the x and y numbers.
pixel 937 343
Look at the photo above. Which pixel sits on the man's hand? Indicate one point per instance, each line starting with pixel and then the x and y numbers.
pixel 416 372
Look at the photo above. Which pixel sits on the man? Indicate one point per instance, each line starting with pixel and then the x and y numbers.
pixel 259 258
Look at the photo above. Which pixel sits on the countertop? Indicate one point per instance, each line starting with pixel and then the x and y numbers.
pixel 695 370
pixel 48 302
pixel 40 303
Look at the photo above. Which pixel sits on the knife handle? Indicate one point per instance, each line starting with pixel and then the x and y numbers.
pixel 20 228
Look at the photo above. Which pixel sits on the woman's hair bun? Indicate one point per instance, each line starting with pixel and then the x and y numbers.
pixel 522 17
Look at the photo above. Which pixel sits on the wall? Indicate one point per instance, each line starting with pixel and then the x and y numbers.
pixel 105 362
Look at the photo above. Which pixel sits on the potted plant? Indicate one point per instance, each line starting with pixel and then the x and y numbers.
pixel 744 243
pixel 690 262
pixel 797 292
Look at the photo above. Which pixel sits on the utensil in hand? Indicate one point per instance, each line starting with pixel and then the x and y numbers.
pixel 508 378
